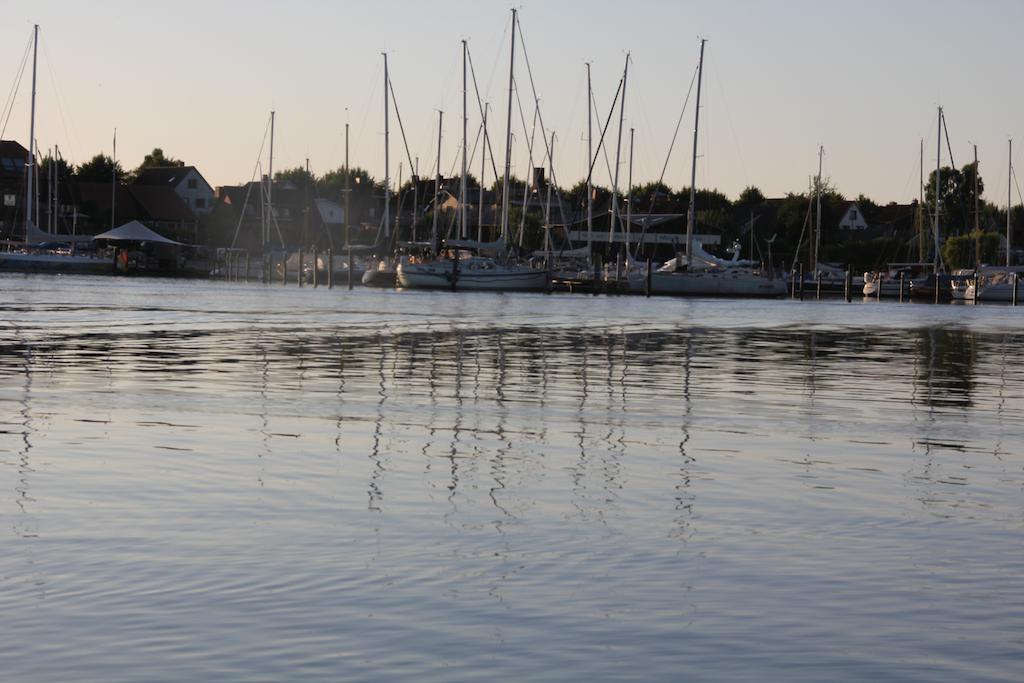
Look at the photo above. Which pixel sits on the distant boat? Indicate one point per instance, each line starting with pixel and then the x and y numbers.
pixel 455 270
pixel 690 275
pixel 472 273
pixel 995 284
pixel 43 251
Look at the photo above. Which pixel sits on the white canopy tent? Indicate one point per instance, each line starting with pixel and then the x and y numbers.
pixel 134 231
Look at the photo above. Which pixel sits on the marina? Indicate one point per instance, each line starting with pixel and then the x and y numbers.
pixel 557 342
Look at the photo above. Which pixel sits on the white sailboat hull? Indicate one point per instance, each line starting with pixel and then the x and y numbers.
pixel 471 276
pixel 710 283
pixel 54 263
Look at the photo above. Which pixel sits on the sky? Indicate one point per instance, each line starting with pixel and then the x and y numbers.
pixel 862 79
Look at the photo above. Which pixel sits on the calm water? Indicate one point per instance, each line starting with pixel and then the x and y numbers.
pixel 210 481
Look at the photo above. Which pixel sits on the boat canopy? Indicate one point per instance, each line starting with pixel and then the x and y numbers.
pixel 134 231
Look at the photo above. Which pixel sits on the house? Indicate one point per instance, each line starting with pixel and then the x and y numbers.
pixel 853 218
pixel 186 181
pixel 158 207
pixel 13 158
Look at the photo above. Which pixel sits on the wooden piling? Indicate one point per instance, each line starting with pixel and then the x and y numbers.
pixel 455 269
pixel 351 266
pixel 1013 296
pixel 817 282
pixel 800 282
pixel 299 278
pixel 848 286
pixel 647 277
pixel 330 269
pixel 936 288
pixel 284 269
pixel 316 270
pixel 246 266
pixel 903 277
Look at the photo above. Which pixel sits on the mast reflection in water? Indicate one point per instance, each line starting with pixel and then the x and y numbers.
pixel 208 481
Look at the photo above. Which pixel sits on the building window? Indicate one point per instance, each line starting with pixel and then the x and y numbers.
pixel 853 214
pixel 200 203
pixel 192 184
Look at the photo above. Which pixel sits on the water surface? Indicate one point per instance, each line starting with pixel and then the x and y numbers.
pixel 211 481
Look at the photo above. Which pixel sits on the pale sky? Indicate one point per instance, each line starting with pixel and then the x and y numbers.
pixel 781 78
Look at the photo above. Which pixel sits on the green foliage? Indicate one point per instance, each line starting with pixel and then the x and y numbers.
pixel 332 183
pixel 157 159
pixel 958 251
pixel 751 196
pixel 956 197
pixel 298 176
pixel 533 232
pixel 64 169
pixel 99 169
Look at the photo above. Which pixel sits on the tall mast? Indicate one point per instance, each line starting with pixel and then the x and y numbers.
pixel 938 171
pixel 508 133
pixel 920 210
pixel 618 155
pixel 348 192
pixel 437 184
pixel 49 191
pixel 817 225
pixel 56 188
pixel 113 180
pixel 387 161
pixel 483 170
pixel 1009 185
pixel 547 202
pixel 465 123
pixel 590 155
pixel 691 214
pixel 270 182
pixel 31 137
pixel 977 217
pixel 629 190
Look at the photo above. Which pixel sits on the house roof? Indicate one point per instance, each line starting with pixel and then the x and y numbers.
pixel 10 148
pixel 169 176
pixel 12 158
pixel 161 203
pixel 134 201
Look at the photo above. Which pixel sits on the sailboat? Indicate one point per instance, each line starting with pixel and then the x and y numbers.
pixel 688 275
pixel 33 257
pixel 1000 283
pixel 460 269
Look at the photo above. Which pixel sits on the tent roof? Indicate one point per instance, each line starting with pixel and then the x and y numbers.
pixel 133 231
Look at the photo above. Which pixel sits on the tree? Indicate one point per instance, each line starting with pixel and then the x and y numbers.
pixel 332 183
pixel 750 197
pixel 298 176
pixel 99 169
pixel 64 169
pixel 956 197
pixel 653 196
pixel 157 159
